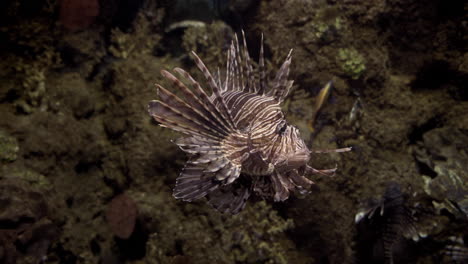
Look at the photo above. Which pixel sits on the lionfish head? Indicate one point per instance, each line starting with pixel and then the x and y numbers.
pixel 294 153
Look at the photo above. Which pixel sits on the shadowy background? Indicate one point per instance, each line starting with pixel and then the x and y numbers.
pixel 86 176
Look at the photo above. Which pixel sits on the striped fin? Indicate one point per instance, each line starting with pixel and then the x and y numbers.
pixel 262 71
pixel 230 198
pixel 239 68
pixel 281 84
pixel 214 87
pixel 195 111
pixel 281 186
pixel 240 72
pixel 198 178
pixel 301 183
pixel 200 97
pixel 250 79
pixel 207 125
pixel 228 72
pixel 457 253
pixel 194 145
pixel 194 183
pixel 179 121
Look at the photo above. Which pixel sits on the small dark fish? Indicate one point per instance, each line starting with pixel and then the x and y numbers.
pixel 385 224
pixel 238 138
pixel 456 253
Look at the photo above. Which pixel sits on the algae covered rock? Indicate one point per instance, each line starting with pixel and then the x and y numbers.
pixel 257 235
pixel 28 228
pixel 209 41
pixel 444 151
pixel 8 147
pixel 352 62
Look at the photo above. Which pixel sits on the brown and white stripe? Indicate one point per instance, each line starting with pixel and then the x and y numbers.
pixel 237 137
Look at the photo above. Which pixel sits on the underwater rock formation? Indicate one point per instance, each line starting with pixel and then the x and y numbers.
pixel 78 14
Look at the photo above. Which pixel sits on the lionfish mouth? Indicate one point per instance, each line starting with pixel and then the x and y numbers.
pixel 234 135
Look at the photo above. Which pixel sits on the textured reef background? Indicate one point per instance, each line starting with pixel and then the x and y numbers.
pixel 86 175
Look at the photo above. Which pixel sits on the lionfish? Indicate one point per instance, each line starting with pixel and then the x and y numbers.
pixel 238 139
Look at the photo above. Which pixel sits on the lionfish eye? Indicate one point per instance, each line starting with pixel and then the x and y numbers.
pixel 281 127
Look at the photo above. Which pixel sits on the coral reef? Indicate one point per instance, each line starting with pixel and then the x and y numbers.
pixel 352 62
pixel 255 235
pixel 141 40
pixel 209 41
pixel 262 240
pixel 444 153
pixel 74 132
pixel 8 147
pixel 27 225
pixel 31 42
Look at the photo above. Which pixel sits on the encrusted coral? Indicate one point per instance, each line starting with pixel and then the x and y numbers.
pixel 325 26
pixel 8 147
pixel 31 42
pixel 33 76
pixel 28 230
pixel 202 235
pixel 444 151
pixel 352 62
pixel 141 40
pixel 257 235
pixel 209 41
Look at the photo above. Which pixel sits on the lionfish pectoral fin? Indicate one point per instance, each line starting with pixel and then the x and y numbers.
pixel 281 187
pixel 194 183
pixel 206 122
pixel 326 172
pixel 229 198
pixel 301 182
pixel 207 170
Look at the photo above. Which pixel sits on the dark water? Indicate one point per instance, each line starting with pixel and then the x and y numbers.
pixel 86 176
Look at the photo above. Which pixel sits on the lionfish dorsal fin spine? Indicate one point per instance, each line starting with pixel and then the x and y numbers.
pixel 228 71
pixel 195 112
pixel 234 85
pixel 178 120
pixel 250 81
pixel 218 79
pixel 262 88
pixel 240 69
pixel 204 99
pixel 216 90
pixel 200 107
pixel 281 84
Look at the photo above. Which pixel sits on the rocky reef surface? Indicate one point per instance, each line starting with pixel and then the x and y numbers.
pixel 77 145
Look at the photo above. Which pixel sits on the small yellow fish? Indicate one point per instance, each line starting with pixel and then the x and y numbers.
pixel 321 98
